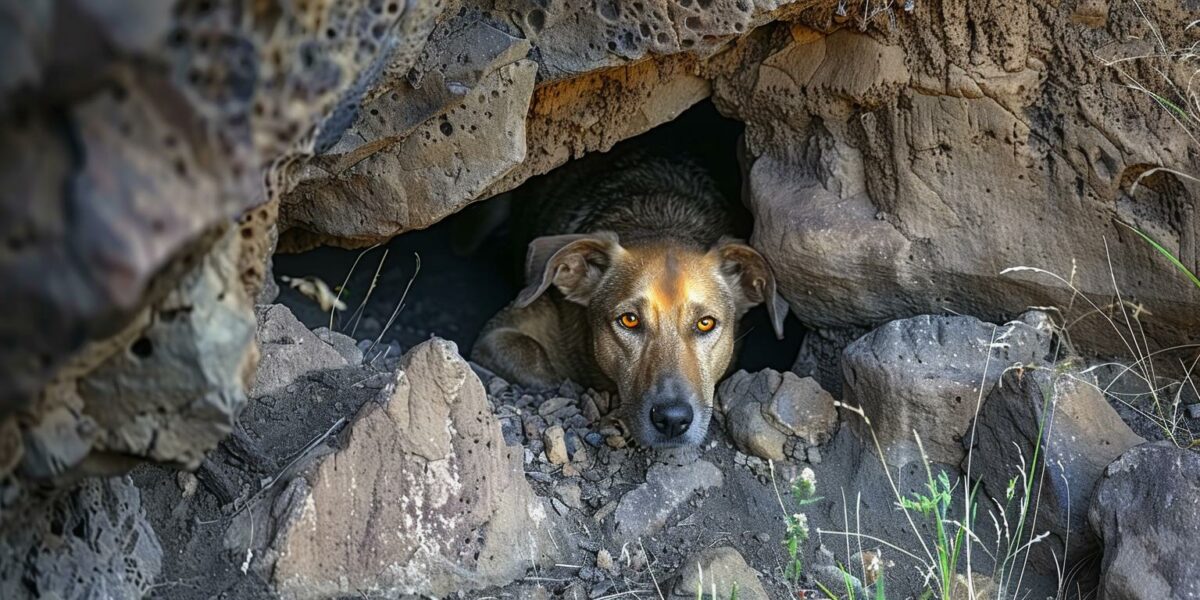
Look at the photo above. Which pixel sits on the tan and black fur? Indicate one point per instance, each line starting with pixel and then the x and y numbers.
pixel 643 235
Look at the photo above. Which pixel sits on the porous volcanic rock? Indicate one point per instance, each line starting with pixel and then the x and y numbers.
pixel 1146 510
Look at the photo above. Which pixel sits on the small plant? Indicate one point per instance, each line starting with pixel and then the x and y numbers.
pixel 803 490
pixel 935 506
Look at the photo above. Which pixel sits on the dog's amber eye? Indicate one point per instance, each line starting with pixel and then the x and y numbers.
pixel 706 324
pixel 629 321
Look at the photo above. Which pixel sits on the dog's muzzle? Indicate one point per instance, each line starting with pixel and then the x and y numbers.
pixel 671 414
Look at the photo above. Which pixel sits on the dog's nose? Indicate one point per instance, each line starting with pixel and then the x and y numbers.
pixel 673 419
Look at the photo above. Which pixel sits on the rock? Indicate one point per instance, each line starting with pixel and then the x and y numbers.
pixel 409 503
pixel 559 507
pixel 556 445
pixel 645 509
pixel 604 561
pixel 1193 410
pixel 187 484
pixel 552 405
pixel 290 351
pixel 341 343
pixel 762 409
pixel 979 587
pixel 905 185
pixel 802 409
pixel 723 567
pixel 140 235
pixel 928 373
pixel 570 494
pixel 1146 511
pixel 752 433
pixel 173 391
pixel 434 146
pixel 1080 434
pixel 89 542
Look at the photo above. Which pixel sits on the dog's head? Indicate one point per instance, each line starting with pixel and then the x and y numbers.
pixel 662 318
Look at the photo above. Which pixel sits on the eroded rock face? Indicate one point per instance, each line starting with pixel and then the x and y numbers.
pixel 1146 510
pixel 1063 414
pixel 145 145
pixel 926 374
pixel 962 141
pixel 423 497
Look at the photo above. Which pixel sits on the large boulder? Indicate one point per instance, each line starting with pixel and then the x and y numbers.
pixel 422 496
pixel 1146 510
pixel 1060 417
pixel 899 170
pixel 145 145
pixel 925 376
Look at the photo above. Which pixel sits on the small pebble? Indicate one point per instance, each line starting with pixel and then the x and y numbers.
pixel 539 476
pixel 615 441
pixel 559 507
pixel 187 483
pixel 1193 411
pixel 556 445
pixel 589 545
pixel 571 495
pixel 814 455
pixel 762 537
pixel 604 560
pixel 594 439
pixel 497 386
pixel 553 405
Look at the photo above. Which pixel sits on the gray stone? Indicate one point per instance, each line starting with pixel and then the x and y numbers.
pixel 552 405
pixel 927 374
pixel 90 542
pixel 390 510
pixel 289 351
pixel 1080 434
pixel 645 509
pixel 723 568
pixel 1146 510
pixel 341 343
pixel 801 408
pixel 761 410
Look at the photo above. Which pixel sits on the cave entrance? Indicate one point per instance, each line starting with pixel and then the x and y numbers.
pixel 466 277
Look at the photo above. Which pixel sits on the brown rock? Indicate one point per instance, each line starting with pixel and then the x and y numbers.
pixel 556 445
pixel 413 502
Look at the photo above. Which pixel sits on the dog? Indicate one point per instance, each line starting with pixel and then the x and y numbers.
pixel 634 285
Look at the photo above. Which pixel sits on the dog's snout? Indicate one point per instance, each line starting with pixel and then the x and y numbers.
pixel 672 419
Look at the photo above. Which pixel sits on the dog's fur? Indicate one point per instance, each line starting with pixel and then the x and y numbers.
pixel 639 234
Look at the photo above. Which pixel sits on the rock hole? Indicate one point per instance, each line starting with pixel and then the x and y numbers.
pixel 142 348
pixel 536 20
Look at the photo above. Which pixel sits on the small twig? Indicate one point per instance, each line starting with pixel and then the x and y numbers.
pixel 399 305
pixel 361 310
pixel 347 281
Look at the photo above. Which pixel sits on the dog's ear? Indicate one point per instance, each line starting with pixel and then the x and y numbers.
pixel 753 277
pixel 573 263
